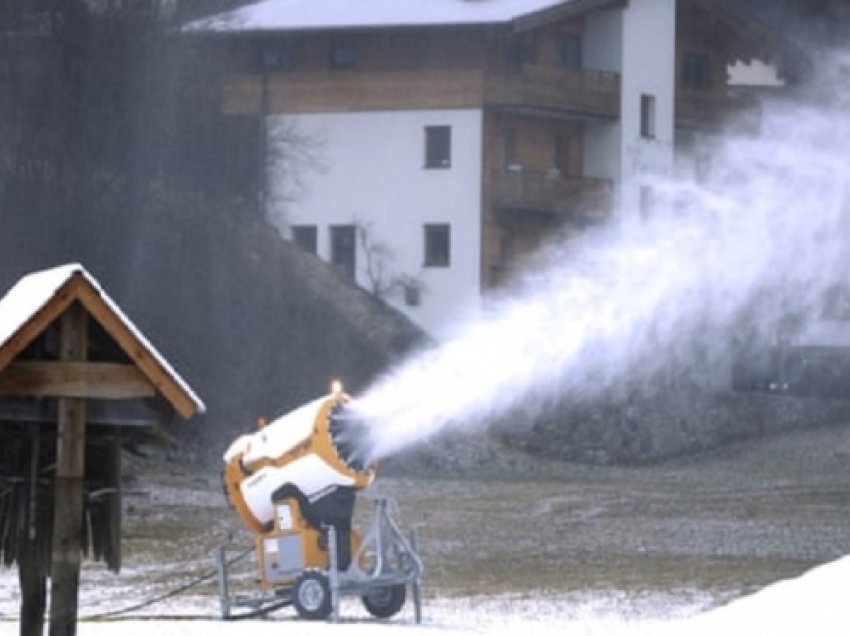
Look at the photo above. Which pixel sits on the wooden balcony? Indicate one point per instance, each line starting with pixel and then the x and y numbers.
pixel 705 110
pixel 551 193
pixel 581 92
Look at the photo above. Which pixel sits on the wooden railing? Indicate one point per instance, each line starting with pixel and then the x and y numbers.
pixel 551 192
pixel 580 91
pixel 701 109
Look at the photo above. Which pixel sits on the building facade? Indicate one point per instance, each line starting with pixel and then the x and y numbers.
pixel 427 148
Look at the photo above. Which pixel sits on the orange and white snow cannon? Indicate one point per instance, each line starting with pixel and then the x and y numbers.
pixel 294 483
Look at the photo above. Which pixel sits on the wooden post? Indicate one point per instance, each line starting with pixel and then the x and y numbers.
pixel 68 504
pixel 33 581
pixel 32 566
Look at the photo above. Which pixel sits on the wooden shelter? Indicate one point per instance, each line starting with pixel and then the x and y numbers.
pixel 77 380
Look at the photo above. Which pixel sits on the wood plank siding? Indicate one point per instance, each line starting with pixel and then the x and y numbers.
pixel 413 68
pixel 591 93
pixel 706 43
pixel 353 91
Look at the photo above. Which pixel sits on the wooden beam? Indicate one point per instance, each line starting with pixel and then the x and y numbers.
pixel 39 321
pixel 68 489
pixel 159 377
pixel 100 380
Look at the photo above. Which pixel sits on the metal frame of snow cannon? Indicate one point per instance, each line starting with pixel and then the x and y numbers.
pixel 383 567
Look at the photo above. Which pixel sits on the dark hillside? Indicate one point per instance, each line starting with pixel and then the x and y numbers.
pixel 113 153
pixel 254 325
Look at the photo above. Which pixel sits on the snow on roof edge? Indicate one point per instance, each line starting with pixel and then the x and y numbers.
pixel 35 290
pixel 304 15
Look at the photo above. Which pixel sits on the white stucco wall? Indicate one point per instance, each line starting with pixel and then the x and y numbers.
pixel 649 64
pixel 370 171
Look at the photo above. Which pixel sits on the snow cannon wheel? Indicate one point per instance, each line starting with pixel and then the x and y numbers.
pixel 384 602
pixel 312 596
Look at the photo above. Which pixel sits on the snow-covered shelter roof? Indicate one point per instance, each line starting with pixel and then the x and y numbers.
pixel 295 15
pixel 37 299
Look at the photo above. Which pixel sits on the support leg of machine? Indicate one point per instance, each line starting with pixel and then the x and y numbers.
pixel 416 584
pixel 333 573
pixel 223 591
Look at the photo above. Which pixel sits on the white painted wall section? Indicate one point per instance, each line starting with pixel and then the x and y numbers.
pixel 649 64
pixel 370 170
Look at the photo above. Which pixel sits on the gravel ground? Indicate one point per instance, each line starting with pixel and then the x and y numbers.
pixel 676 538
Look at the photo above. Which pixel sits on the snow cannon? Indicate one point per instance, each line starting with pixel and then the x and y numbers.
pixel 306 454
pixel 294 484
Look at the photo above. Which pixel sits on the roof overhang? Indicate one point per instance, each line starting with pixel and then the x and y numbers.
pixel 270 16
pixel 38 299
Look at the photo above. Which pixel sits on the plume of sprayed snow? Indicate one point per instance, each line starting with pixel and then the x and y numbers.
pixel 764 234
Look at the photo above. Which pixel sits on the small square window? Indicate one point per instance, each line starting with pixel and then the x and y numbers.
pixel 696 70
pixel 438 146
pixel 437 245
pixel 305 237
pixel 342 56
pixel 647 116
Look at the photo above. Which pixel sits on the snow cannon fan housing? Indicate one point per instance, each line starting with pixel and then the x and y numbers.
pixel 307 454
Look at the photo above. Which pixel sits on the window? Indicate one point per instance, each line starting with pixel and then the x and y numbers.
pixel 437 245
pixel 647 116
pixel 569 51
pixel 509 160
pixel 522 50
pixel 696 71
pixel 305 237
pixel 438 146
pixel 342 56
pixel 561 153
pixel 646 201
pixel 278 58
pixel 344 249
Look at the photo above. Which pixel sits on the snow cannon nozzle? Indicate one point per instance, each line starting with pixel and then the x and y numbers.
pixel 349 434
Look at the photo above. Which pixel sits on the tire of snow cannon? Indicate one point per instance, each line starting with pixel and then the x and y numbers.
pixel 311 595
pixel 384 602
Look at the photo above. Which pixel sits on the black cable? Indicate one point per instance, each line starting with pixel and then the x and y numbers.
pixel 161 597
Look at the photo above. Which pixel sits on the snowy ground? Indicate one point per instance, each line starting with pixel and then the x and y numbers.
pixel 814 604
pixel 750 540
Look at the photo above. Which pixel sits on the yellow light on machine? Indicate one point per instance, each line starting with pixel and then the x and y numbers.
pixel 336 387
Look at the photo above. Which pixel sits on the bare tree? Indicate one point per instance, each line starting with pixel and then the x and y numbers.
pixel 292 154
pixel 380 271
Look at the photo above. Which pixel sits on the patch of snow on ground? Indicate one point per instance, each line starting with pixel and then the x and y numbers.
pixel 814 604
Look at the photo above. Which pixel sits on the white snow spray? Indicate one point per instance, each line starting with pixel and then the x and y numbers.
pixel 764 233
